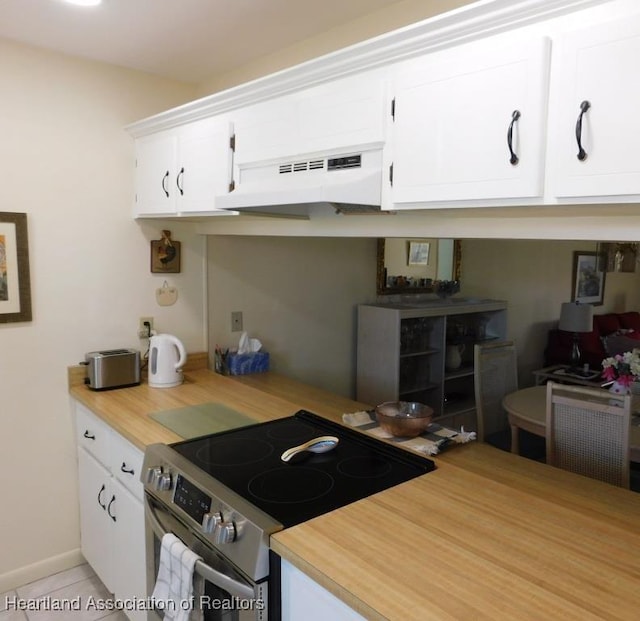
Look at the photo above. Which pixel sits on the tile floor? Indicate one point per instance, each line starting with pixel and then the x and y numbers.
pixel 79 582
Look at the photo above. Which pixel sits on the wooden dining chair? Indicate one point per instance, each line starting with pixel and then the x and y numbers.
pixel 495 375
pixel 587 432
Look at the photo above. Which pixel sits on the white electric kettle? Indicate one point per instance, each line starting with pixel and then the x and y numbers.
pixel 166 359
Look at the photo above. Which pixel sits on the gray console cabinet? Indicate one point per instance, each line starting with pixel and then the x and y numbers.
pixel 424 352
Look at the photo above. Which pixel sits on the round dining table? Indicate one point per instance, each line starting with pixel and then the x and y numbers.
pixel 527 409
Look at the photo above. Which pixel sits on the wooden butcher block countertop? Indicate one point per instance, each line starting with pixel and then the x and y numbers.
pixel 261 397
pixel 488 535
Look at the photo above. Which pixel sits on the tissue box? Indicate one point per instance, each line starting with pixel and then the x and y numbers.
pixel 243 364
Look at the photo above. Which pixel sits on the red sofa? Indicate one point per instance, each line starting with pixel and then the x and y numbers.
pixel 612 333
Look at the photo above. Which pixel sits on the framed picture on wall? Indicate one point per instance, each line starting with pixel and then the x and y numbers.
pixel 165 255
pixel 418 253
pixel 15 287
pixel 588 278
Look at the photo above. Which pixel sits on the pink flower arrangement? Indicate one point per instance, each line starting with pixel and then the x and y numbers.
pixel 622 368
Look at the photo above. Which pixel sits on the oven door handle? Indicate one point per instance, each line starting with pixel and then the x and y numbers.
pixel 215 577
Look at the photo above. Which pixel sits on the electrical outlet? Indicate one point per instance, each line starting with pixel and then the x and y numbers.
pixel 144 332
pixel 236 321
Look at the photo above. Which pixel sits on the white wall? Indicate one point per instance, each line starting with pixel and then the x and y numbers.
pixel 66 162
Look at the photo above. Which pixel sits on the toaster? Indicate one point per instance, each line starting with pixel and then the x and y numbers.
pixel 112 368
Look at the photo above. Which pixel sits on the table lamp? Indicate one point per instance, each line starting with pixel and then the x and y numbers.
pixel 576 318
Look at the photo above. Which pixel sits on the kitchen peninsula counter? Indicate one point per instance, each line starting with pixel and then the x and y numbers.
pixel 488 535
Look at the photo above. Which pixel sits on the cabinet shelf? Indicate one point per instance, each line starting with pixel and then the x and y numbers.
pixel 459 407
pixel 424 388
pixel 462 372
pixel 402 351
pixel 424 352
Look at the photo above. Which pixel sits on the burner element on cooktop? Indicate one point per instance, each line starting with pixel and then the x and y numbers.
pixel 368 467
pixel 286 485
pixel 232 452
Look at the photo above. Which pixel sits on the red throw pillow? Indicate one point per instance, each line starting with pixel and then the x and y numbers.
pixel 607 324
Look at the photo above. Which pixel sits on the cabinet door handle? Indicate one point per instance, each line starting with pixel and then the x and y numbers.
pixel 99 496
pixel 126 470
pixel 178 180
pixel 88 436
pixel 113 517
pixel 582 154
pixel 513 160
pixel 164 187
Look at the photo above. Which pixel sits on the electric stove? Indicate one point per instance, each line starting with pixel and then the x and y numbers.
pixel 233 490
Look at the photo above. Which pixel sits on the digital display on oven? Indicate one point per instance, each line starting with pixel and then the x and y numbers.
pixel 191 499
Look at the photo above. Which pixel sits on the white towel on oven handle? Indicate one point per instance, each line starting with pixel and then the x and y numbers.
pixel 173 593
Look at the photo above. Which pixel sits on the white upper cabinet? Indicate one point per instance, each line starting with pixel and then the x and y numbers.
pixel 181 170
pixel 596 65
pixel 338 115
pixel 156 174
pixel 469 124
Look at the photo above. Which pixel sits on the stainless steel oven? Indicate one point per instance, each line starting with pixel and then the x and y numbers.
pixel 221 591
pixel 224 495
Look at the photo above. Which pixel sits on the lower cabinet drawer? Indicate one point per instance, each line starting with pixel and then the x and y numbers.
pixel 126 464
pixel 92 434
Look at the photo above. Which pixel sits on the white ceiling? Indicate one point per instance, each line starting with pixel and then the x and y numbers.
pixel 190 40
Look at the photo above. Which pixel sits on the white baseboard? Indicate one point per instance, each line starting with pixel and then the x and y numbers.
pixel 41 569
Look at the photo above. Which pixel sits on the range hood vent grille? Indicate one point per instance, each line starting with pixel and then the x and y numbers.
pixel 290 167
pixel 350 183
pixel 333 163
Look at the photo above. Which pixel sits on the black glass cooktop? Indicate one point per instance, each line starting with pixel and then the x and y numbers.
pixel 248 461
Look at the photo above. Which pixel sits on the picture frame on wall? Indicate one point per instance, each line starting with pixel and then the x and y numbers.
pixel 418 253
pixel 15 283
pixel 588 278
pixel 165 255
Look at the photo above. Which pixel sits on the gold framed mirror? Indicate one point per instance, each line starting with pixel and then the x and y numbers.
pixel 414 265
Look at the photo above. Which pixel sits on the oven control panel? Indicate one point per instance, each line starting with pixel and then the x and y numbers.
pixel 194 502
pixel 199 507
pixel 210 510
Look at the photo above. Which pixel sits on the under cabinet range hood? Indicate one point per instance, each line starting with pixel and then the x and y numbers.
pixel 350 183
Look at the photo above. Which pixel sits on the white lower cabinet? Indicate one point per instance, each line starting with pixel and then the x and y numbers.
pixel 302 598
pixel 129 552
pixel 112 511
pixel 95 496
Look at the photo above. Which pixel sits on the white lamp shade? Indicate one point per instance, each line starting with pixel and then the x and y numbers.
pixel 576 317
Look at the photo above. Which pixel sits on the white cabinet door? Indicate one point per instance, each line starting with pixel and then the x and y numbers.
pixel 96 502
pixel 204 165
pixel 129 551
pixel 184 169
pixel 264 131
pixel 453 113
pixel 340 115
pixel 597 65
pixel 156 181
pixel 302 598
